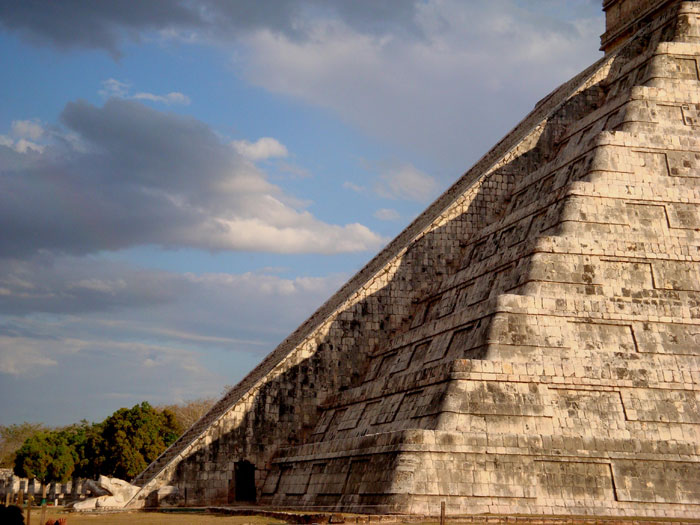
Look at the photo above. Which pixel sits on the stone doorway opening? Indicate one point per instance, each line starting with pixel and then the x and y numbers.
pixel 243 482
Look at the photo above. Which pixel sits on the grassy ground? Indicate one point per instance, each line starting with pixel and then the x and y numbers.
pixel 150 518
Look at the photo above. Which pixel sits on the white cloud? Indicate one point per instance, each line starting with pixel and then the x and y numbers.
pixel 23 136
pixel 24 145
pixel 352 186
pixel 262 149
pixel 106 286
pixel 30 129
pixel 104 27
pixel 444 77
pixel 116 88
pixel 387 214
pixel 208 330
pixel 161 355
pixel 174 334
pixel 308 235
pixel 31 356
pixel 171 98
pixel 264 283
pixel 475 69
pixel 406 182
pixel 21 145
pixel 22 356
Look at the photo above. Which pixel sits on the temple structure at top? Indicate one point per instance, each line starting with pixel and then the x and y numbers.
pixel 529 344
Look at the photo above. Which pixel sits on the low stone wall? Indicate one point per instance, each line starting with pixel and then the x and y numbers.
pixel 59 493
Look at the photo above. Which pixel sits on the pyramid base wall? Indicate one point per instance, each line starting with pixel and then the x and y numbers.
pixel 461 470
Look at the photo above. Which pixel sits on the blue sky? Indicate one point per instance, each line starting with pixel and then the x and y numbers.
pixel 183 183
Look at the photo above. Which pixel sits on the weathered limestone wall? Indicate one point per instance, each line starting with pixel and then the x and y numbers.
pixel 624 17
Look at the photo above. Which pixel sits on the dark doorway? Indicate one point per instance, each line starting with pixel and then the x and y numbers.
pixel 244 479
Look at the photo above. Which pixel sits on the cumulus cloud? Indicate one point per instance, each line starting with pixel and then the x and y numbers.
pixel 21 145
pixel 114 88
pixel 352 186
pixel 30 129
pixel 23 136
pixel 406 182
pixel 387 214
pixel 149 177
pixel 262 149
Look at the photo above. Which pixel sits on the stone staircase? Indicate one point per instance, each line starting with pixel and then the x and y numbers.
pixel 196 431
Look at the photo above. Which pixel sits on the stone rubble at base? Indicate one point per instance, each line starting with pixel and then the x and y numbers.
pixel 529 345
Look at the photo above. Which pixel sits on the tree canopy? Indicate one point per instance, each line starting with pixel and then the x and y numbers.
pixel 46 456
pixel 122 446
pixel 133 438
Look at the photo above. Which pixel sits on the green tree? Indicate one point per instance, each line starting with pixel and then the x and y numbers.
pixel 46 456
pixel 89 449
pixel 133 438
pixel 122 445
pixel 81 439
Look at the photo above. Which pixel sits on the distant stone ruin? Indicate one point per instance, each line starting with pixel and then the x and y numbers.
pixel 12 486
pixel 529 344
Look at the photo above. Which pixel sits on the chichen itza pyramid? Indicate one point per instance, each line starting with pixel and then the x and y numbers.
pixel 529 344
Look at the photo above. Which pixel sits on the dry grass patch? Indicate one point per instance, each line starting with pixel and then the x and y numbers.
pixel 152 518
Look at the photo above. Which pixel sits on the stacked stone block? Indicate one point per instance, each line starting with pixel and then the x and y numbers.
pixel 531 344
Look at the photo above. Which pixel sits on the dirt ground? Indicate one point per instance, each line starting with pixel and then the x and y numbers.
pixel 202 518
pixel 150 518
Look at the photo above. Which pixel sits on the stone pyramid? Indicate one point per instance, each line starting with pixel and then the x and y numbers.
pixel 530 344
